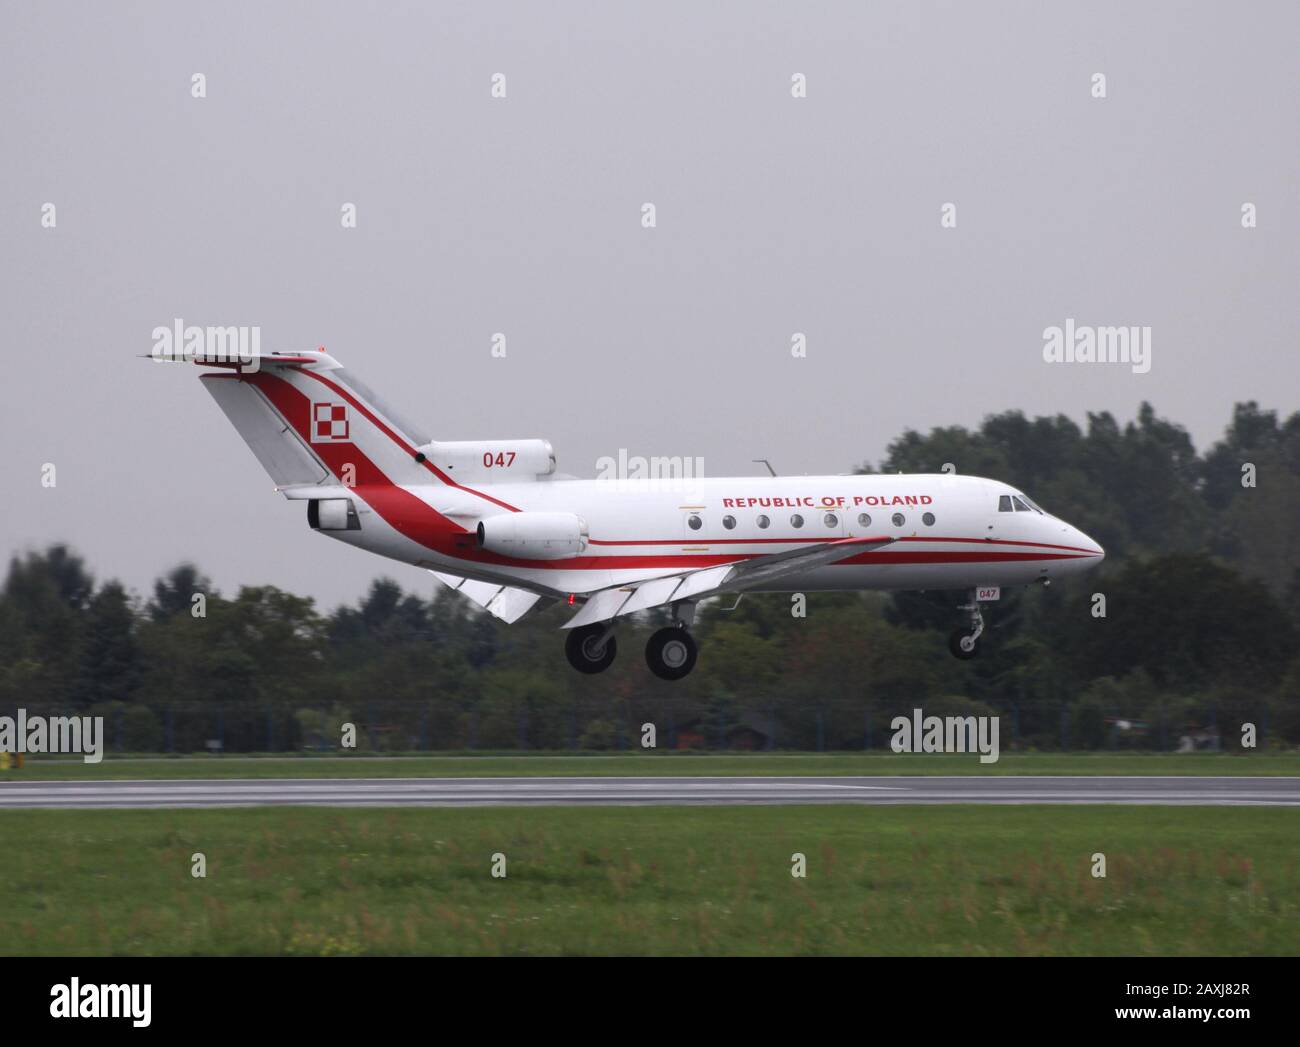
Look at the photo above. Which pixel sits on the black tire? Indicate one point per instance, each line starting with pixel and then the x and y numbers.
pixel 577 647
pixel 955 645
pixel 671 653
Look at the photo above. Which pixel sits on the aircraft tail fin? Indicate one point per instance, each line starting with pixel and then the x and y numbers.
pixel 282 454
pixel 310 421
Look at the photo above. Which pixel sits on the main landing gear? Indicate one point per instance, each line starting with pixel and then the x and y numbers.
pixel 591 648
pixel 963 644
pixel 670 653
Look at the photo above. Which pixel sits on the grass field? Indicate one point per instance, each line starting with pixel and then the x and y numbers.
pixel 524 765
pixel 934 881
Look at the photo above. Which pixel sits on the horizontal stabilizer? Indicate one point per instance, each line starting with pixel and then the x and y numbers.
pixel 231 357
pixel 306 492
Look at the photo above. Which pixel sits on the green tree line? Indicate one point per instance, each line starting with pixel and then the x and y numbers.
pixel 1201 583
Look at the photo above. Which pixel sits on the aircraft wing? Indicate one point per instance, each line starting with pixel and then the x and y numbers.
pixel 711 581
pixel 504 601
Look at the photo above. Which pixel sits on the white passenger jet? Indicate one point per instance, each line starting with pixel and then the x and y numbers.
pixel 493 520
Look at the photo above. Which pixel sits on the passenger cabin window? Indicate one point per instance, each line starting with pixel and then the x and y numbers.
pixel 728 522
pixel 897 519
pixel 864 519
pixel 796 521
pixel 694 522
pixel 928 519
pixel 1004 504
pixel 762 521
pixel 831 520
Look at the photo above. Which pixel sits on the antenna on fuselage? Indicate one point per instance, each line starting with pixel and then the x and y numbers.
pixel 766 463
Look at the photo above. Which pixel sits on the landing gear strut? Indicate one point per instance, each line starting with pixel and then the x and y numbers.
pixel 591 648
pixel 963 644
pixel 671 653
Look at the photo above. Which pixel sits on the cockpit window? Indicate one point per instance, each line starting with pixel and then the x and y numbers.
pixel 1004 503
pixel 1033 505
pixel 1021 507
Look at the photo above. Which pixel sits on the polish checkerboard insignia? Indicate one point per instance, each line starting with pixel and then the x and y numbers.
pixel 329 423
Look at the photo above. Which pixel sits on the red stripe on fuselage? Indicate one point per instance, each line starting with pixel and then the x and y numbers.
pixel 403 511
pixel 397 439
pixel 415 519
pixel 833 538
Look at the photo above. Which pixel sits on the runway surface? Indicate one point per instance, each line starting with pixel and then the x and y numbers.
pixel 570 792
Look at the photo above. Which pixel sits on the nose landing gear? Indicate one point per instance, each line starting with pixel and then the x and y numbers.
pixel 963 644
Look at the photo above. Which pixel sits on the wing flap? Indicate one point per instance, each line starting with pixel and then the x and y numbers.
pixel 511 604
pixel 482 593
pixel 710 581
pixel 502 601
pixel 602 605
pixel 702 581
pixel 651 594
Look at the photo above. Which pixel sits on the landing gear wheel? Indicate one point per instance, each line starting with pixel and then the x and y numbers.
pixel 583 650
pixel 670 653
pixel 966 645
pixel 963 645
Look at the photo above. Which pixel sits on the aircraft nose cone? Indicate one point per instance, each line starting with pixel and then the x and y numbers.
pixel 1094 546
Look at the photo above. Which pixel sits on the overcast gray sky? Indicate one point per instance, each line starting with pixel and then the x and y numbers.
pixel 523 215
